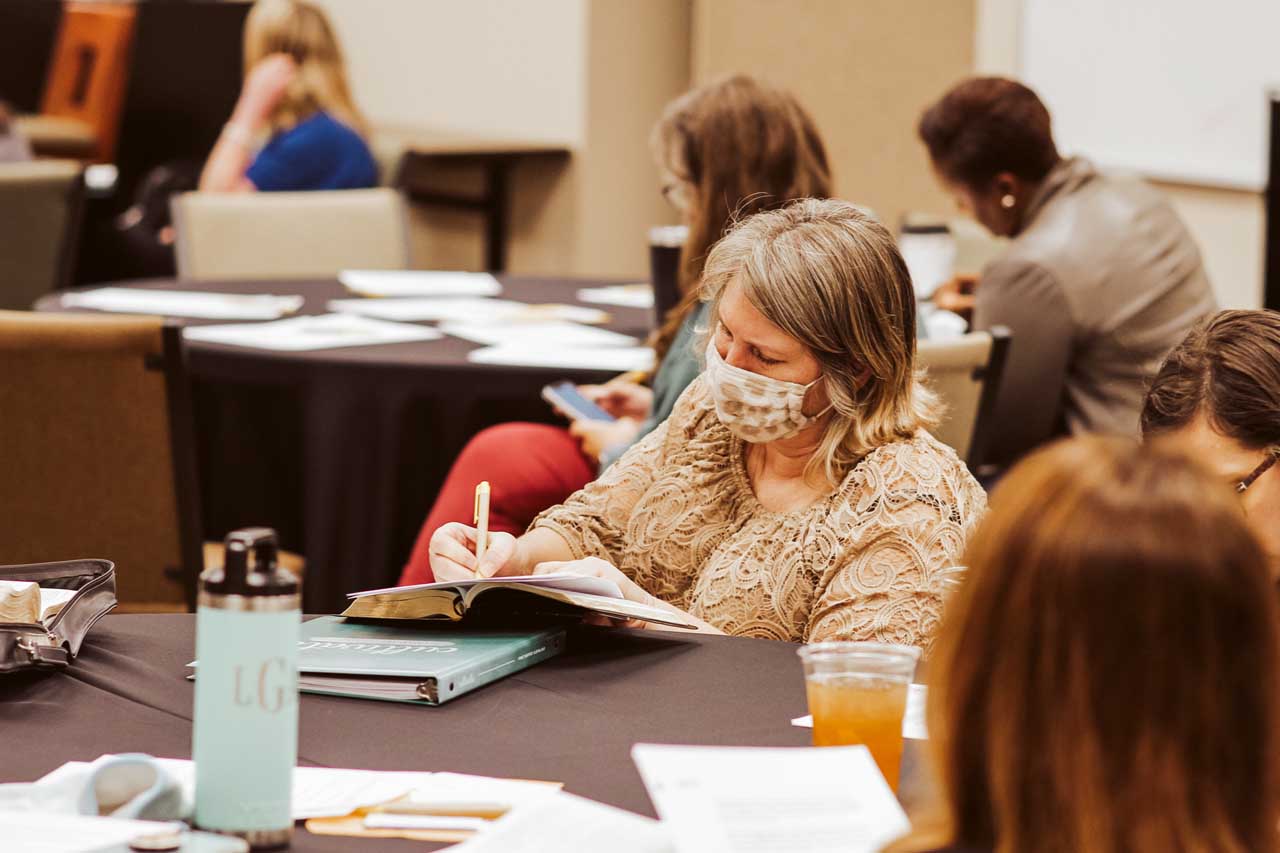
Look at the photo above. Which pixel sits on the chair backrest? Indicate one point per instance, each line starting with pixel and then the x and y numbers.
pixel 289 235
pixel 965 373
pixel 97 452
pixel 40 206
pixel 90 69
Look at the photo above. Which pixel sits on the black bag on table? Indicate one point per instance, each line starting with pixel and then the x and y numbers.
pixel 54 642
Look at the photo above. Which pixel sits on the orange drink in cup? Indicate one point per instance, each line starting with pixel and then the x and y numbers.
pixel 858 695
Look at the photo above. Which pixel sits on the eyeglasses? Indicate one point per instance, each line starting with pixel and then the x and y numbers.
pixel 1272 456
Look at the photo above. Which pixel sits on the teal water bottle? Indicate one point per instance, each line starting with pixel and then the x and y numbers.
pixel 245 739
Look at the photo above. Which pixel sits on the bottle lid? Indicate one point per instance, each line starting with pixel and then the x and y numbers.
pixel 238 576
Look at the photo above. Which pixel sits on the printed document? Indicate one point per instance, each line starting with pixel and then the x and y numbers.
pixel 185 303
pixel 622 295
pixel 758 800
pixel 553 335
pixel 465 310
pixel 298 334
pixel 565 822
pixel 618 359
pixel 419 283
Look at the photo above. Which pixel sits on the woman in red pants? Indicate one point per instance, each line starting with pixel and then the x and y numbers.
pixel 725 150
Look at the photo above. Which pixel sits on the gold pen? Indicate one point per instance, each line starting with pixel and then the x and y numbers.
pixel 481 522
pixel 485 811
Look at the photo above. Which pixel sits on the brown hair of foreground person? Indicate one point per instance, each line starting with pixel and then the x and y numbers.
pixel 1107 679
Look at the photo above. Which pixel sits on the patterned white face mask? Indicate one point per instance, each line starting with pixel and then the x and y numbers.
pixel 755 408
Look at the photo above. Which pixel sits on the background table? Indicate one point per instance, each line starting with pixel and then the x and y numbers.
pixel 343 450
pixel 572 719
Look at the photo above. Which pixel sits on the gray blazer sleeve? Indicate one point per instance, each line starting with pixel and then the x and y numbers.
pixel 1029 301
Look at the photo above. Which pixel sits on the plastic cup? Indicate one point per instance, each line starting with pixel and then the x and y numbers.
pixel 858 695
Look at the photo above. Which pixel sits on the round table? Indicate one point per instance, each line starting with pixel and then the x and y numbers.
pixel 343 450
pixel 572 719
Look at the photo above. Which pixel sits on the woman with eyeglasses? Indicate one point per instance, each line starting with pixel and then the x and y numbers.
pixel 727 149
pixel 1218 396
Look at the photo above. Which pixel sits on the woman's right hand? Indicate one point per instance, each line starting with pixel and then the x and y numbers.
pixel 452 554
pixel 621 398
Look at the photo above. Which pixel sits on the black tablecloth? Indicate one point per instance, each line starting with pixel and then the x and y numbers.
pixel 572 719
pixel 343 450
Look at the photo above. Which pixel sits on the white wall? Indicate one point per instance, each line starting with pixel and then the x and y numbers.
pixel 1228 224
pixel 502 67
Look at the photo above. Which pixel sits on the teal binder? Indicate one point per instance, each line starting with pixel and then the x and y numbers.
pixel 399 663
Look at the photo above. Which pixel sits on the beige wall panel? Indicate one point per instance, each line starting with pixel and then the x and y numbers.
pixel 1230 227
pixel 505 67
pixel 638 60
pixel 865 68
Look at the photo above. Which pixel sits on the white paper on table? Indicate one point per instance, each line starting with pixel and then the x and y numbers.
pixel 760 800
pixel 466 310
pixel 577 358
pixel 299 334
pixel 913 720
pixel 420 283
pixel 317 791
pixel 940 324
pixel 623 295
pixel 185 303
pixel 42 832
pixel 552 335
pixel 559 580
pixel 566 822
pixel 930 259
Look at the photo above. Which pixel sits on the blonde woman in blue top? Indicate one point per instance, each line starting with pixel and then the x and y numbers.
pixel 296 97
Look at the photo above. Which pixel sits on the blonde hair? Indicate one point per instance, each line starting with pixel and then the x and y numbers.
pixel 1106 678
pixel 301 31
pixel 743 146
pixel 831 277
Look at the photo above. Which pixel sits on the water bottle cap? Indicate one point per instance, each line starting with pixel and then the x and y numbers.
pixel 237 577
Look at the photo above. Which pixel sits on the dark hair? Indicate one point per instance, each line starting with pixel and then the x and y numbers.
pixel 988 125
pixel 1229 368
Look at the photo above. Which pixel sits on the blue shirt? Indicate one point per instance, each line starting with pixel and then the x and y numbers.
pixel 318 153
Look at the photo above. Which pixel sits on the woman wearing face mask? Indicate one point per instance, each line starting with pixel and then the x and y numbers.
pixel 1101 277
pixel 732 146
pixel 794 493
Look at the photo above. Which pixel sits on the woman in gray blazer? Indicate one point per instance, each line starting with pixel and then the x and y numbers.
pixel 1101 278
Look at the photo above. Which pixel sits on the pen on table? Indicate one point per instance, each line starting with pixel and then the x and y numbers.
pixel 481 522
pixel 485 811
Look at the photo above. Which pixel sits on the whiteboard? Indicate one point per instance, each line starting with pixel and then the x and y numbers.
pixel 1172 89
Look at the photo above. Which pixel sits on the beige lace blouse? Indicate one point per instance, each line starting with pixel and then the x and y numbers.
pixel 677 515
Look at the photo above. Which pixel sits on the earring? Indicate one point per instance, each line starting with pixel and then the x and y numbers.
pixel 1008 201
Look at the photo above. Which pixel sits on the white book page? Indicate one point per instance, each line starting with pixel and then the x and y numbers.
pixel 756 800
pixel 564 581
pixel 299 334
pixel 185 303
pixel 550 335
pixel 913 721
pixel 420 283
pixel 579 358
pixel 565 822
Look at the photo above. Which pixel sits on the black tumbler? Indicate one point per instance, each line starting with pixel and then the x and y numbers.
pixel 665 242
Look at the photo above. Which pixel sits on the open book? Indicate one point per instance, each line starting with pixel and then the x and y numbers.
pixel 495 599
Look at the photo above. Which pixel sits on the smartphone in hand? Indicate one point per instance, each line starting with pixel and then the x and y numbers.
pixel 566 397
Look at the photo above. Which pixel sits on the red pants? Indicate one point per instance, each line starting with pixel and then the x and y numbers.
pixel 530 467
